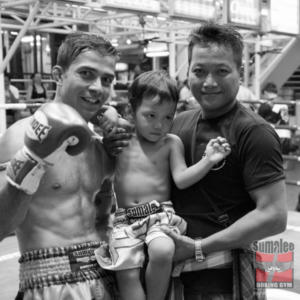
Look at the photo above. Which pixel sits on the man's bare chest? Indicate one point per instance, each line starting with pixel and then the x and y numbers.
pixel 71 173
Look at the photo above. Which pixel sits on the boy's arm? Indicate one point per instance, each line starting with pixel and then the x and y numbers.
pixel 184 176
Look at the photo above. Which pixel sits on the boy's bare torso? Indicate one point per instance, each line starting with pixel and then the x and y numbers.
pixel 143 173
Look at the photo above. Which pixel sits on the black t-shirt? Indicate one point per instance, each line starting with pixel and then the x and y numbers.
pixel 255 161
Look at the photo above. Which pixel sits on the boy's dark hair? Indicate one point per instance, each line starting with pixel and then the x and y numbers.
pixel 78 42
pixel 212 33
pixel 151 84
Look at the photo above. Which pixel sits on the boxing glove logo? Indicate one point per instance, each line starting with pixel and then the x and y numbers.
pixel 39 128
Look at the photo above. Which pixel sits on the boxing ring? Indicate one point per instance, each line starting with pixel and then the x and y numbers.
pixel 19 106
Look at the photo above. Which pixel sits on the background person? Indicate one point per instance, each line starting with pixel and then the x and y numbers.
pixel 244 93
pixel 12 95
pixel 36 91
pixel 186 99
pixel 277 114
pixel 272 112
pixel 55 167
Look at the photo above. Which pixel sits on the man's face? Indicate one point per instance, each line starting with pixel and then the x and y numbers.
pixel 86 84
pixel 213 78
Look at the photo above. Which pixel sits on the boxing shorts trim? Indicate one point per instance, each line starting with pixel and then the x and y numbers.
pixel 60 265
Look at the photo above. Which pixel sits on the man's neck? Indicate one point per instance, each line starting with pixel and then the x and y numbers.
pixel 217 113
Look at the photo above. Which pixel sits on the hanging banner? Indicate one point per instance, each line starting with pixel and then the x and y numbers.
pixel 244 13
pixel 195 9
pixel 149 6
pixel 284 16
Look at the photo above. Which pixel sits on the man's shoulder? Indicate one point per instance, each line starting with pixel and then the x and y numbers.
pixel 12 140
pixel 246 123
pixel 187 114
pixel 186 117
pixel 246 117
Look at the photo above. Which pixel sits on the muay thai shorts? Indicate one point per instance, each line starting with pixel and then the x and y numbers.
pixel 133 227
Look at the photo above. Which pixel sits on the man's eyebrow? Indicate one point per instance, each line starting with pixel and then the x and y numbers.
pixel 109 75
pixel 89 68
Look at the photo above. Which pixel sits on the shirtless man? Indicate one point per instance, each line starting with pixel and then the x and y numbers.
pixel 47 193
pixel 142 185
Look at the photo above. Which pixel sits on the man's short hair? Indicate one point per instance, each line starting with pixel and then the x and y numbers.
pixel 222 35
pixel 151 84
pixel 79 42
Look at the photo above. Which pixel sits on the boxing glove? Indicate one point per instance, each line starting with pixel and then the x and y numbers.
pixel 55 127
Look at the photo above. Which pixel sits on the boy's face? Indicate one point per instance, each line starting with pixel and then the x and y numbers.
pixel 213 78
pixel 86 84
pixel 154 118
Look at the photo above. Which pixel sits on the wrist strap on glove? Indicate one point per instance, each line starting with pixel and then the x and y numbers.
pixel 25 171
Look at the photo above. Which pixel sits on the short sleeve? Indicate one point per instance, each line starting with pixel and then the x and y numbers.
pixel 260 156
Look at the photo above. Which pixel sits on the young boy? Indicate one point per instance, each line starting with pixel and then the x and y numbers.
pixel 142 187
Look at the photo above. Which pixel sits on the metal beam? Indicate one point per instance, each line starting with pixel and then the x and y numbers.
pixel 17 40
pixel 16 3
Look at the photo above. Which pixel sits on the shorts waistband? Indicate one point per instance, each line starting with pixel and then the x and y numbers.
pixel 44 253
pixel 132 214
pixel 60 265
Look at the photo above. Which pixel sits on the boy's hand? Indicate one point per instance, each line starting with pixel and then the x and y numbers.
pixel 217 149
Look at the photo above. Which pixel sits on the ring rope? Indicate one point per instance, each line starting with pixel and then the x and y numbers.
pixel 287 102
pixel 19 106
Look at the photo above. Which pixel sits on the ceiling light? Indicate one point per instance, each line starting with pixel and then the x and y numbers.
pixel 157 54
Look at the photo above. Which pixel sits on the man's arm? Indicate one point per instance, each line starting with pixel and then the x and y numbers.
pixel 116 130
pixel 105 205
pixel 14 203
pixel 28 149
pixel 268 218
pixel 13 207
